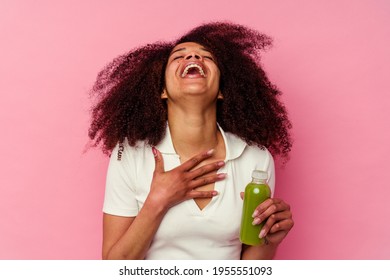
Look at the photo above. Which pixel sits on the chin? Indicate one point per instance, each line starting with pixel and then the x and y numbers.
pixel 194 90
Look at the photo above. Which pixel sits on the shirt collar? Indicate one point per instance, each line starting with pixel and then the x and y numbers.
pixel 166 145
pixel 235 146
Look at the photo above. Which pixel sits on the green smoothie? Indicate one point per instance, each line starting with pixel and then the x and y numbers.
pixel 256 192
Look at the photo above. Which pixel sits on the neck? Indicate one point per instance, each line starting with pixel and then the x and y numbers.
pixel 193 132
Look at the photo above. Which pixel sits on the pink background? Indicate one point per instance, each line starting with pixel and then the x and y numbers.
pixel 331 59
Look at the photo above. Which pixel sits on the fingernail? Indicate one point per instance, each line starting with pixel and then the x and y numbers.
pixel 215 193
pixel 262 233
pixel 256 221
pixel 154 150
pixel 255 213
pixel 221 176
pixel 210 152
pixel 220 163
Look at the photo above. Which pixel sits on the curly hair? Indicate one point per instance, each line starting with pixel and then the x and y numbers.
pixel 129 104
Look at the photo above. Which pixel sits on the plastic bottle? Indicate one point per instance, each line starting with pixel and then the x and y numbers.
pixel 256 192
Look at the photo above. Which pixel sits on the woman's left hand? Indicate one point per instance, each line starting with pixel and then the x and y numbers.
pixel 278 217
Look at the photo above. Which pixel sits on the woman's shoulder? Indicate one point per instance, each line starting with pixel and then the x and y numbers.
pixel 259 156
pixel 258 150
pixel 242 149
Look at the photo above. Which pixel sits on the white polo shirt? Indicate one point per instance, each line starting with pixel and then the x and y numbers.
pixel 186 232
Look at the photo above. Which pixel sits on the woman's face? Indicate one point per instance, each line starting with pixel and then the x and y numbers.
pixel 191 71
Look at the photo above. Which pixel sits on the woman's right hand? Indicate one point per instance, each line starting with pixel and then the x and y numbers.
pixel 179 184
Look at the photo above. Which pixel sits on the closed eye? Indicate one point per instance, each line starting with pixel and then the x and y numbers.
pixel 177 57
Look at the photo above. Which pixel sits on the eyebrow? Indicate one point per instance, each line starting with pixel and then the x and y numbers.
pixel 178 50
pixel 182 49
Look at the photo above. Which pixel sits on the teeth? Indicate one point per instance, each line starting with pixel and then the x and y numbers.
pixel 192 66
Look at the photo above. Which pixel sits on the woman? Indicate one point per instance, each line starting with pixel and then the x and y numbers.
pixel 186 123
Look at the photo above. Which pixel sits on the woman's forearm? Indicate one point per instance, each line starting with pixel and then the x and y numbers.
pixel 262 252
pixel 135 242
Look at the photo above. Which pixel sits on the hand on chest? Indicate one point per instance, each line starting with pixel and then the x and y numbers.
pixel 219 156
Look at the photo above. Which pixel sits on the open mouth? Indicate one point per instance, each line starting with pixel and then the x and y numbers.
pixel 193 69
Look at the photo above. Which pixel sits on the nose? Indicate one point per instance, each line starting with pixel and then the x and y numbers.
pixel 193 55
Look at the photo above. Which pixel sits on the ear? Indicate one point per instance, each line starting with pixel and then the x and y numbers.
pixel 164 94
pixel 220 96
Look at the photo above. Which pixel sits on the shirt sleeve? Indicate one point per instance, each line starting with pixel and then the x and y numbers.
pixel 270 168
pixel 120 193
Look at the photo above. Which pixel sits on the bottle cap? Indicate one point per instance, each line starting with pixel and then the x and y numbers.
pixel 260 175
